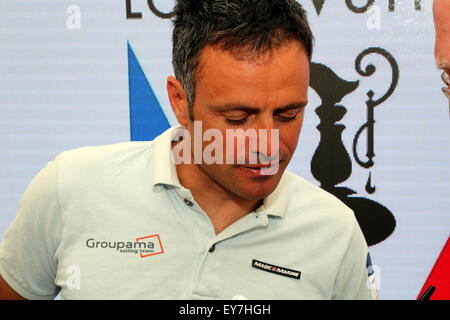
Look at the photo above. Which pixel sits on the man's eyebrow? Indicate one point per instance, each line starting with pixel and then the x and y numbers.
pixel 297 105
pixel 242 107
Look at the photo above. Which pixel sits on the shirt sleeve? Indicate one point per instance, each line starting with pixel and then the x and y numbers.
pixel 28 260
pixel 355 279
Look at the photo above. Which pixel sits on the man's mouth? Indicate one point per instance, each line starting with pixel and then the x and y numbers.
pixel 256 167
pixel 268 169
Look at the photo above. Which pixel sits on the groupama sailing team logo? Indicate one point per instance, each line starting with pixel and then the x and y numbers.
pixel 144 246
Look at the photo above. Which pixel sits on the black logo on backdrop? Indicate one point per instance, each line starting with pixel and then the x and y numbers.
pixel 151 5
pixel 318 5
pixel 331 163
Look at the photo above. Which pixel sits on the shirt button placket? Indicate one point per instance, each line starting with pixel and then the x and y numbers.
pixel 209 283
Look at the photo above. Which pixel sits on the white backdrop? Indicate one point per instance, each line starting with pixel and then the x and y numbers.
pixel 64 84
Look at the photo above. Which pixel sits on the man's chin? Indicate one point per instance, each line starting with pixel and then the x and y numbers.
pixel 256 184
pixel 257 188
pixel 244 182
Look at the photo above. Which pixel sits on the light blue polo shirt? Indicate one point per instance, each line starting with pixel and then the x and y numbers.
pixel 114 222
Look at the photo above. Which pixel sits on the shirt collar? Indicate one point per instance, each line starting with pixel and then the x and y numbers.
pixel 165 173
pixel 164 170
pixel 276 203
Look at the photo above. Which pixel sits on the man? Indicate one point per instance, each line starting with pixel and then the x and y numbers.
pixel 441 12
pixel 132 221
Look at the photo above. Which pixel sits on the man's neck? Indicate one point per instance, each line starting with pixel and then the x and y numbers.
pixel 222 206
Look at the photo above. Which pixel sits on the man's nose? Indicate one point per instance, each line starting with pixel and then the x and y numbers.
pixel 266 134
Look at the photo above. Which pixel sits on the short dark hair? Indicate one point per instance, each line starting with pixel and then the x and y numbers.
pixel 250 27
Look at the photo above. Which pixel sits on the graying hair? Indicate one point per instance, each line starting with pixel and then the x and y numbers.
pixel 244 27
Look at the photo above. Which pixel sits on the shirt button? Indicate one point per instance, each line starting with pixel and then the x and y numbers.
pixel 188 202
pixel 213 247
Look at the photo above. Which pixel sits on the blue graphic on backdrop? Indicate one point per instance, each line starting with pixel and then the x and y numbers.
pixel 147 119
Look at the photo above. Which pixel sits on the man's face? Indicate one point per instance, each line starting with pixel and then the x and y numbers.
pixel 441 11
pixel 268 93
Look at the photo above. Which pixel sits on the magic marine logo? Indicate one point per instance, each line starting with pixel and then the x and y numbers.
pixel 144 246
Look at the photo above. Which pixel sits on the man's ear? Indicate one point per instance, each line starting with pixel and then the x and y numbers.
pixel 178 100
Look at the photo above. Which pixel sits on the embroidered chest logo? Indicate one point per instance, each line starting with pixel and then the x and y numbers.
pixel 276 269
pixel 144 246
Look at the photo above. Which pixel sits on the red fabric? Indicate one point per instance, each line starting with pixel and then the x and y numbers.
pixel 440 276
